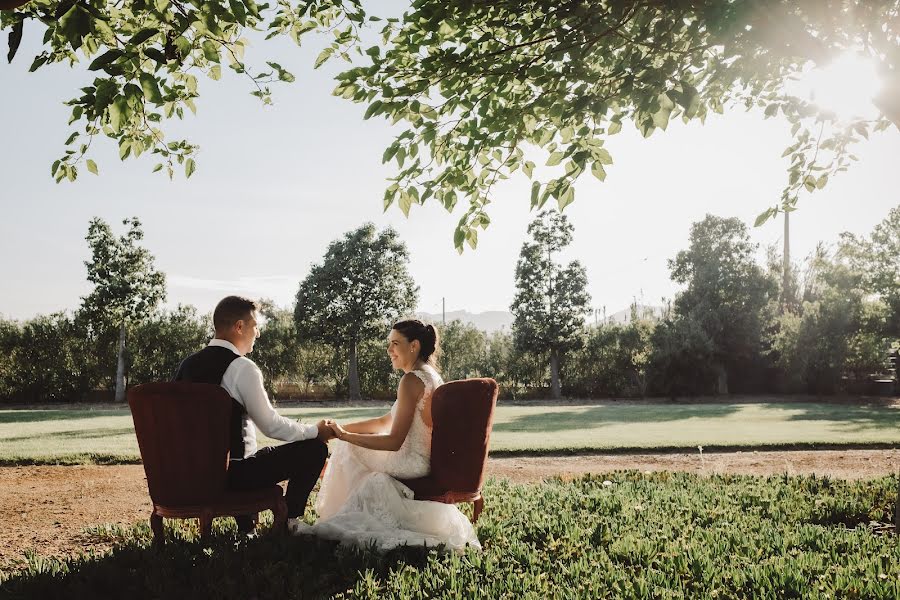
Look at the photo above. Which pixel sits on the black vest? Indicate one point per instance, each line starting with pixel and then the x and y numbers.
pixel 209 366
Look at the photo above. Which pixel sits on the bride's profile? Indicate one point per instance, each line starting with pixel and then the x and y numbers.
pixel 360 501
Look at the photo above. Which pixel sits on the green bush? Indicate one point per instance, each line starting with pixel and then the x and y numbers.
pixel 159 344
pixel 48 359
pixel 682 359
pixel 612 362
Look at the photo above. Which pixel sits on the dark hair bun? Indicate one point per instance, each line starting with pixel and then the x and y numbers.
pixel 414 329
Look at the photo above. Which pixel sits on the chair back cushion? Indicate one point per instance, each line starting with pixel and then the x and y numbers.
pixel 182 431
pixel 462 413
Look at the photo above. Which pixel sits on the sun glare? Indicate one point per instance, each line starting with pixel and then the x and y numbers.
pixel 846 86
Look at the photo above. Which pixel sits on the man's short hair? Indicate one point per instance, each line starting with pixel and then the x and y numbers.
pixel 232 309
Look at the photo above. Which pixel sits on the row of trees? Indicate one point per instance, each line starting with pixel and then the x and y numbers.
pixel 737 326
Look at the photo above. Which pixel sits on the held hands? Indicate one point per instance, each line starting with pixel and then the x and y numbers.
pixel 336 429
pixel 325 432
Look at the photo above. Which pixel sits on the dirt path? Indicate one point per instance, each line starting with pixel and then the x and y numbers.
pixel 45 509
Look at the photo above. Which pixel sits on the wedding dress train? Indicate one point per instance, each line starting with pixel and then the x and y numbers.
pixel 360 501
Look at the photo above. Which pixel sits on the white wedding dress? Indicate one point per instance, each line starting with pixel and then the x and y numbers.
pixel 361 503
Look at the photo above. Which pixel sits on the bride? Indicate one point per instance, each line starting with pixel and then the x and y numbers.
pixel 360 501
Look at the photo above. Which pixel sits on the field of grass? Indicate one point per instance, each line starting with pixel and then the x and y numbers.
pixel 82 435
pixel 621 535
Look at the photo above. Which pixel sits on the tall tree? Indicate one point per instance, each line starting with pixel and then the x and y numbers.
pixel 726 291
pixel 877 257
pixel 551 301
pixel 361 286
pixel 127 287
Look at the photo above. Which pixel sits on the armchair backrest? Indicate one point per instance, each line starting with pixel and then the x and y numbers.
pixel 182 431
pixel 462 413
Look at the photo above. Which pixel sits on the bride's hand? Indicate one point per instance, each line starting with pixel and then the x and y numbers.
pixel 337 429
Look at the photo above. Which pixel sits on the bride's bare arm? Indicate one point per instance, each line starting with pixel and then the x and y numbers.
pixel 408 393
pixel 377 425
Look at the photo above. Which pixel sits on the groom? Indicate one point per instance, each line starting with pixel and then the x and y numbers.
pixel 223 363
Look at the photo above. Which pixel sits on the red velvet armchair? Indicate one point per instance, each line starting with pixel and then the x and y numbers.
pixel 182 431
pixel 462 413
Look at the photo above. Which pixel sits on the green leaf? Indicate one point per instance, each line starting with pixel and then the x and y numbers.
pixel 15 38
pixel 528 168
pixel 189 167
pixel 105 59
pixel 92 166
pixel 405 202
pixel 156 55
pixel 459 238
pixel 158 167
pixel 764 216
pixel 535 190
pixel 142 36
pixel 215 72
pixel 567 198
pixel 809 183
pixel 614 127
pixel 555 159
pixel 239 11
pixel 603 156
pixel 210 51
pixel 75 24
pixel 150 88
pixel 598 171
pixel 373 109
pixel 118 113
pixel 823 180
pixel 323 56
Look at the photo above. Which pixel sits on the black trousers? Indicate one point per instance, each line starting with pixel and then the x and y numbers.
pixel 298 462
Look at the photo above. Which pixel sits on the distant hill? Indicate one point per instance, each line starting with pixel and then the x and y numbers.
pixel 495 320
pixel 490 321
pixel 652 313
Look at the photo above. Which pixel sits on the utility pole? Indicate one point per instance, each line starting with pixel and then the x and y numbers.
pixel 786 267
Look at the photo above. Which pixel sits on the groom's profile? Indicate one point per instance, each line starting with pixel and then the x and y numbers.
pixel 223 363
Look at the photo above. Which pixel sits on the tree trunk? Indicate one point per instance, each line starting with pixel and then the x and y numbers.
pixel 120 366
pixel 555 391
pixel 353 374
pixel 722 381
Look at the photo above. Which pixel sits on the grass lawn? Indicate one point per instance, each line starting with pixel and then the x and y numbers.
pixel 621 535
pixel 82 435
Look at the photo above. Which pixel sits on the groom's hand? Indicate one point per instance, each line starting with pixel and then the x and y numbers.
pixel 325 432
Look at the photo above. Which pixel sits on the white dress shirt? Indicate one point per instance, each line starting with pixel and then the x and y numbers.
pixel 244 382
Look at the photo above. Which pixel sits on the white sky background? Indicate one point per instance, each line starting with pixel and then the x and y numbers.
pixel 275 185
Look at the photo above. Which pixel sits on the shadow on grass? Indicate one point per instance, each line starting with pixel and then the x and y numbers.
pixel 228 566
pixel 34 416
pixel 598 416
pixel 75 434
pixel 850 417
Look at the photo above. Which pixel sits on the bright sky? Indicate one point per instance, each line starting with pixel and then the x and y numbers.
pixel 275 185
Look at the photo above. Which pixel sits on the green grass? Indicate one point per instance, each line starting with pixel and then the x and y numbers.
pixel 661 535
pixel 73 436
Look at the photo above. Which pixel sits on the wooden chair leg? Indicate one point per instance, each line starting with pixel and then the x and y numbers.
pixel 206 519
pixel 478 505
pixel 279 516
pixel 156 526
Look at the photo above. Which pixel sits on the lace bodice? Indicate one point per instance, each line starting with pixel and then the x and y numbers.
pixel 418 439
